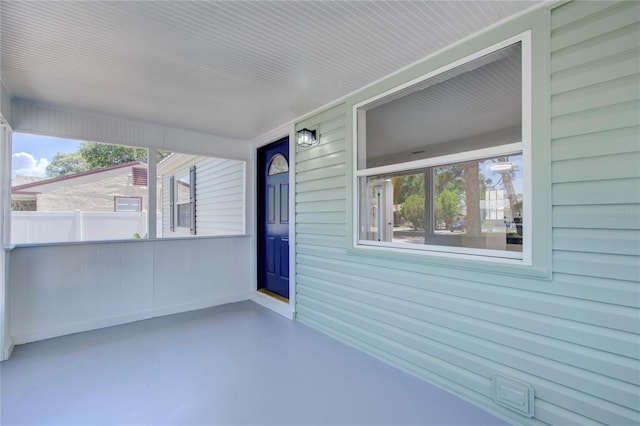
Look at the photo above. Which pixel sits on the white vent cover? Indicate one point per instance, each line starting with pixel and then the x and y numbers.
pixel 514 394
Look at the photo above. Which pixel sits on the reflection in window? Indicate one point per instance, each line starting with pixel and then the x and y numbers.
pixel 278 165
pixel 473 106
pixel 128 204
pixel 473 204
pixel 439 163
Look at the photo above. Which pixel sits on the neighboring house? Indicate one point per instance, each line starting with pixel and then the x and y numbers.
pixel 201 195
pixel 121 188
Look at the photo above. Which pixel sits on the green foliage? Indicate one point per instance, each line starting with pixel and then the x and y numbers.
pixel 99 155
pixel 412 209
pixel 447 206
pixel 448 178
pixel 408 186
pixel 92 155
pixel 66 164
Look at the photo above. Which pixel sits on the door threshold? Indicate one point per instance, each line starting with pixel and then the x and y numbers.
pixel 274 302
pixel 274 295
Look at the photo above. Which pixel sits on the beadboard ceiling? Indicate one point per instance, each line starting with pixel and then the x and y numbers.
pixel 232 68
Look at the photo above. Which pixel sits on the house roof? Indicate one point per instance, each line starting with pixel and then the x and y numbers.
pixel 231 68
pixel 176 161
pixel 34 187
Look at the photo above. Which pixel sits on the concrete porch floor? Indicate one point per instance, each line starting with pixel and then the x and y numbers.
pixel 237 364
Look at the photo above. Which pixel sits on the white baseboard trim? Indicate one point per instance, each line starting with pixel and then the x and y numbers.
pixel 62 330
pixel 7 349
pixel 273 304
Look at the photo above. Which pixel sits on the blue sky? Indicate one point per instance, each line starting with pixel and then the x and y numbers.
pixel 32 153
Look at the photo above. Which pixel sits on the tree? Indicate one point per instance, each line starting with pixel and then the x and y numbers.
pixel 66 164
pixel 412 209
pixel 448 178
pixel 447 206
pixel 92 155
pixel 98 155
pixel 472 198
pixel 405 186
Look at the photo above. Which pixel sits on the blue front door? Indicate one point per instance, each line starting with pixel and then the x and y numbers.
pixel 273 220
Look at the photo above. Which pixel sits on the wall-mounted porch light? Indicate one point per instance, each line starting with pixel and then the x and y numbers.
pixel 306 137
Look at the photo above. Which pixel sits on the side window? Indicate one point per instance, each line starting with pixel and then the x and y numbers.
pixel 183 198
pixel 442 163
pixel 200 195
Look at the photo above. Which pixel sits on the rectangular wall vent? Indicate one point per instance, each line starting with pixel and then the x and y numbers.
pixel 514 394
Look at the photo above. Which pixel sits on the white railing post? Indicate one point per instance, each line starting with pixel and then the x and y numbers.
pixel 77 218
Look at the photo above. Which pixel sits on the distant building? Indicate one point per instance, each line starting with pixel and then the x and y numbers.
pixel 121 188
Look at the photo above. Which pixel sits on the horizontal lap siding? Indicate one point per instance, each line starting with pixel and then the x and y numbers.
pixel 321 186
pixel 595 148
pixel 595 122
pixel 220 197
pixel 575 339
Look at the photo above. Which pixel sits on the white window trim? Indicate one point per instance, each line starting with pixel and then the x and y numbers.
pixel 494 151
pixel 526 257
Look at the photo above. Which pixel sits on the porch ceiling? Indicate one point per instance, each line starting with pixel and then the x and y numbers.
pixel 232 68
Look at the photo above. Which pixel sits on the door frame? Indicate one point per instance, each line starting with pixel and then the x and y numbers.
pixel 287 310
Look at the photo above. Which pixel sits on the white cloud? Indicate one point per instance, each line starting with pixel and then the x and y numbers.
pixel 24 164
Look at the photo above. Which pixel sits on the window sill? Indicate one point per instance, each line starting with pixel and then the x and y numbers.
pixel 498 266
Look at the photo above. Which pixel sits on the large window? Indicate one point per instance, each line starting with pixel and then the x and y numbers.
pixel 442 164
pixel 66 190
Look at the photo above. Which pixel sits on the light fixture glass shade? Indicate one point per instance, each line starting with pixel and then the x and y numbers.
pixel 306 137
pixel 501 166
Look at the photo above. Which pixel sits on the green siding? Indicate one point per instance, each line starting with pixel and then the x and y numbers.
pixel 575 338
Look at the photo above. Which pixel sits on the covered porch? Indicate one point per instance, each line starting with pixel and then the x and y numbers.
pixel 510 281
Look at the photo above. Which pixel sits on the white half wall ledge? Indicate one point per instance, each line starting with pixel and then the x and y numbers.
pixel 7 349
pixel 63 330
pixel 273 304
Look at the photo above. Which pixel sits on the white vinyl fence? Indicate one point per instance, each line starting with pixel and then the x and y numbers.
pixel 47 227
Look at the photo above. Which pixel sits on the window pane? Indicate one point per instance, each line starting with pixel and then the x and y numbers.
pixel 473 205
pixel 278 165
pixel 475 105
pixel 382 199
pixel 184 215
pixel 67 190
pixel 218 186
pixel 481 201
pixel 439 162
pixel 128 204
